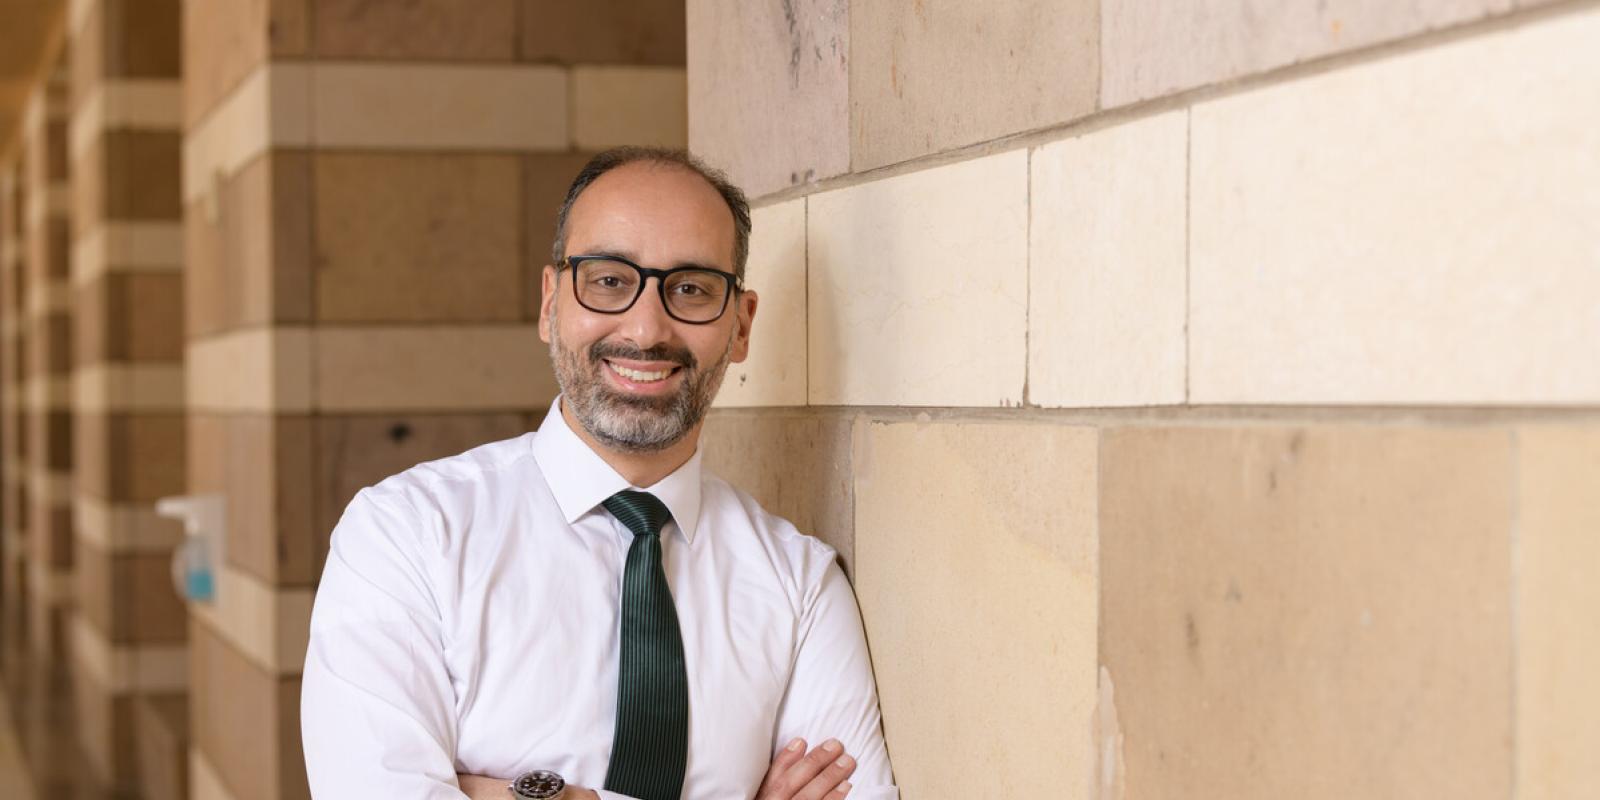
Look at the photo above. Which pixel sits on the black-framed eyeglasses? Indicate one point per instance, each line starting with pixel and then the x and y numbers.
pixel 611 285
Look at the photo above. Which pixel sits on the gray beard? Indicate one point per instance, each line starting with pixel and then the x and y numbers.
pixel 628 423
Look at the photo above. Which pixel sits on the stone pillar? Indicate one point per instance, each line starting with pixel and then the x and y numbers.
pixel 46 357
pixel 369 192
pixel 13 499
pixel 128 637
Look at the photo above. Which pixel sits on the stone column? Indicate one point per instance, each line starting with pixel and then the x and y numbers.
pixel 128 638
pixel 369 192
pixel 13 499
pixel 46 424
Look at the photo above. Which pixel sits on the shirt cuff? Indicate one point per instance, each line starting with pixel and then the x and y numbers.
pixel 605 795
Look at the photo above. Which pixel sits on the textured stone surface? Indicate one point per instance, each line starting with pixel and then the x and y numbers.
pixel 1405 277
pixel 121 457
pixel 1558 611
pixel 250 263
pixel 1318 613
pixel 418 238
pixel 141 175
pixel 246 721
pixel 129 317
pixel 615 106
pixel 479 367
pixel 796 465
pixel 1107 266
pixel 929 77
pixel 484 30
pixel 1152 48
pixel 224 40
pixel 900 272
pixel 769 90
pixel 423 106
pixel 975 569
pixel 602 32
pixel 775 372
pixel 129 597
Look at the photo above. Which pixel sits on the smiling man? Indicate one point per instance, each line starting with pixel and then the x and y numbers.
pixel 582 611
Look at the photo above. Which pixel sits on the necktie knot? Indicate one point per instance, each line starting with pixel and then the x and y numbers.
pixel 642 512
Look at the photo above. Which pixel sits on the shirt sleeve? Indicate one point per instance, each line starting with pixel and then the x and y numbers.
pixel 377 708
pixel 831 693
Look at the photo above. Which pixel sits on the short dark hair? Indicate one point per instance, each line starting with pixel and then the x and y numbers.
pixel 621 156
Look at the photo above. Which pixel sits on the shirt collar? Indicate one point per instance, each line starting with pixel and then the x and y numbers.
pixel 581 480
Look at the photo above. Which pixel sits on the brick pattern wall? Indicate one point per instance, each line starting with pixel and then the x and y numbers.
pixel 125 140
pixel 45 358
pixel 369 192
pixel 13 485
pixel 1205 400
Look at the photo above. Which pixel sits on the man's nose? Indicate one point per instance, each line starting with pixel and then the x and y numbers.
pixel 647 323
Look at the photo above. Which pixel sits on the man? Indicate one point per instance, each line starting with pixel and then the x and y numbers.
pixel 582 605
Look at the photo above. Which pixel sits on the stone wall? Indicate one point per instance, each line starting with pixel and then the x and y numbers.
pixel 1204 400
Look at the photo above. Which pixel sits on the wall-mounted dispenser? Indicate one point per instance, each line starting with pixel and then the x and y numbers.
pixel 196 560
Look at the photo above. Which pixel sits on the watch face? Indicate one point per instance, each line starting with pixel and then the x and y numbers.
pixel 539 784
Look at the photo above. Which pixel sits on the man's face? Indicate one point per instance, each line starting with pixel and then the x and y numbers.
pixel 641 381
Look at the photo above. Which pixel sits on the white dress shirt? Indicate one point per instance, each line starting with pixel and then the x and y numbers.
pixel 468 617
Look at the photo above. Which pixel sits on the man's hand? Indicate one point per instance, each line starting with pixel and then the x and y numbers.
pixel 479 787
pixel 818 775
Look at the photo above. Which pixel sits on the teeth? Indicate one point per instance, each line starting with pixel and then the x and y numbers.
pixel 636 375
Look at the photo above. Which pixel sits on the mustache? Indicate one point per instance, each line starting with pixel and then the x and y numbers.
pixel 676 355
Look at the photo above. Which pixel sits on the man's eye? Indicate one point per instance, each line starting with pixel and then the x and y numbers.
pixel 607 281
pixel 688 289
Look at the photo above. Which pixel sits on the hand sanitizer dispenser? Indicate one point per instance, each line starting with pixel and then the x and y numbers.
pixel 195 561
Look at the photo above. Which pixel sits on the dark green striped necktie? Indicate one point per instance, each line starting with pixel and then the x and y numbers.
pixel 651 746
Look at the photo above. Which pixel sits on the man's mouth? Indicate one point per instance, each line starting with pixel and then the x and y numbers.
pixel 641 376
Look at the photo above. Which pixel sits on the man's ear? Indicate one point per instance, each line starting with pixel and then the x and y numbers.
pixel 547 289
pixel 744 308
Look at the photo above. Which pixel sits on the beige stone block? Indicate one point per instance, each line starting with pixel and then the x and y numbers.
pixel 1447 252
pixel 1107 266
pixel 124 527
pixel 1557 611
pixel 239 715
pixel 918 287
pixel 258 369
pixel 124 669
pixel 613 106
pixel 775 372
pixel 269 627
pixel 602 32
pixel 127 247
pixel 268 478
pixel 143 38
pixel 129 103
pixel 445 30
pixel 795 464
pixel 976 571
pixel 373 368
pixel 1319 613
pixel 272 108
pixel 204 782
pixel 1151 48
pixel 769 90
pixel 418 238
pixel 249 262
pixel 161 725
pixel 224 41
pixel 142 174
pixel 103 388
pixel 931 77
pixel 439 106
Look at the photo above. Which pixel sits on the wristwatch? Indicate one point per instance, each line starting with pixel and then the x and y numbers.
pixel 540 784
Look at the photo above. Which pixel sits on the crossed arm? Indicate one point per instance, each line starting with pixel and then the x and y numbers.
pixel 794 775
pixel 378 716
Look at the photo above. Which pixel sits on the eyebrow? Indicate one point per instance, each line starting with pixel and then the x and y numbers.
pixel 630 257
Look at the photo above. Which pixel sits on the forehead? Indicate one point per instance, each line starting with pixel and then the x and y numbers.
pixel 657 214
